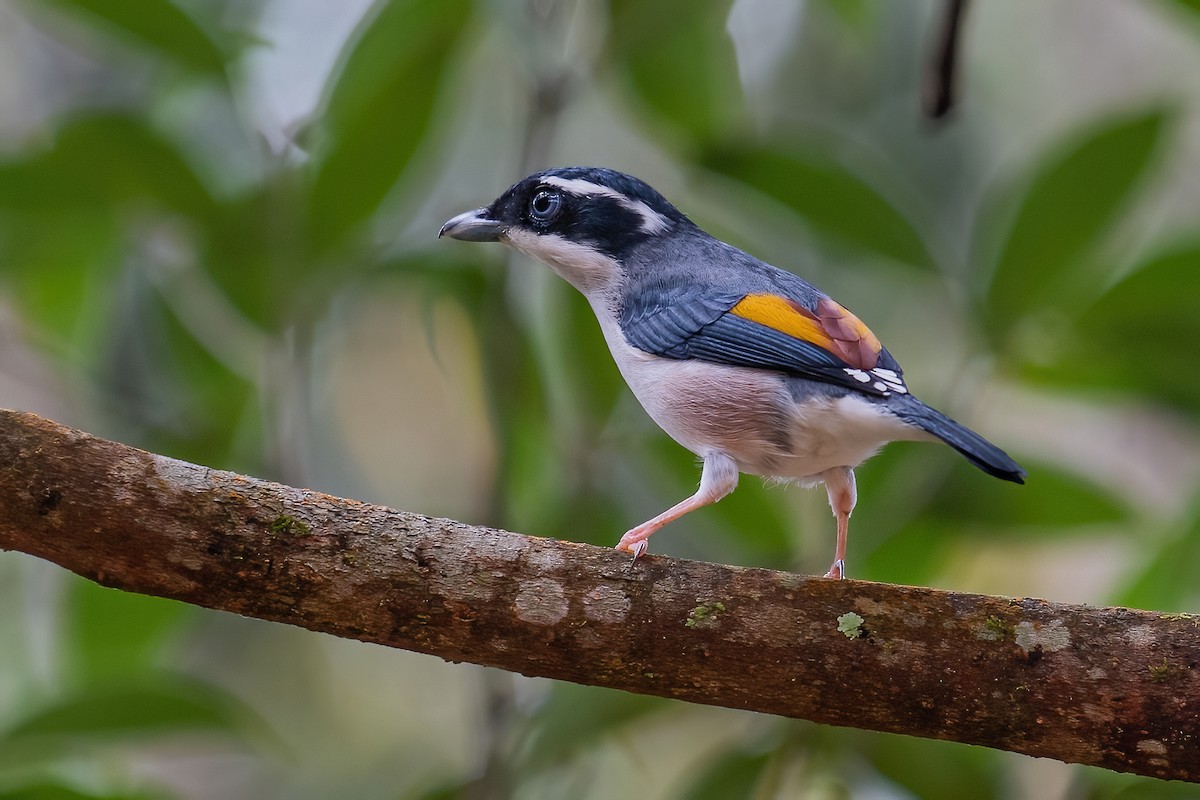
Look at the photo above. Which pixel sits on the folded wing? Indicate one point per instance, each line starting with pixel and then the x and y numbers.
pixel 763 330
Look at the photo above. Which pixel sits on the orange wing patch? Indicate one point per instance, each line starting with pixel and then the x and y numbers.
pixel 784 316
pixel 832 327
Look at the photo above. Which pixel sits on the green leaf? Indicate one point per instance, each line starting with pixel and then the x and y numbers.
pixel 856 15
pixel 183 400
pixel 678 60
pixel 574 717
pixel 451 790
pixel 252 263
pixel 1135 788
pixel 964 502
pixel 962 770
pixel 38 185
pixel 155 705
pixel 105 161
pixel 378 110
pixel 1145 329
pixel 733 776
pixel 1070 203
pixel 1167 580
pixel 58 791
pixel 158 25
pixel 835 201
pixel 913 554
pixel 127 160
pixel 1161 291
pixel 1190 5
pixel 114 633
pixel 527 494
pixel 1050 498
pixel 916 500
pixel 59 266
pixel 751 521
pixel 1139 336
pixel 895 489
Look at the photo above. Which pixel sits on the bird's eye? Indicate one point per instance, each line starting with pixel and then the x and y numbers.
pixel 545 205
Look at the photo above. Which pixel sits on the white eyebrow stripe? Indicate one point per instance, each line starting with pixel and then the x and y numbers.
pixel 652 221
pixel 581 187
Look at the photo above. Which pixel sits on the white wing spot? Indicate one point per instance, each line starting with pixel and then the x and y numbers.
pixel 858 375
pixel 890 379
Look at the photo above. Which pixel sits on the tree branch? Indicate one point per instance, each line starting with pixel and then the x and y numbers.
pixel 1112 687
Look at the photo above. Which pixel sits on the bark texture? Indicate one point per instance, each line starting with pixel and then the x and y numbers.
pixel 1113 687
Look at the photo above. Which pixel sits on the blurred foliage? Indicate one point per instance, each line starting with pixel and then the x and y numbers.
pixel 679 66
pixel 1070 203
pixel 828 196
pixel 187 268
pixel 376 113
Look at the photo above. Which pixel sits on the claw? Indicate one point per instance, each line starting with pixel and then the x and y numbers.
pixel 639 549
pixel 837 571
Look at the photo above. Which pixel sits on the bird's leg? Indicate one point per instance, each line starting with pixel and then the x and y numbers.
pixel 839 483
pixel 717 479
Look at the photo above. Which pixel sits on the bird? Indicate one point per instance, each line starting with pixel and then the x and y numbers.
pixel 748 366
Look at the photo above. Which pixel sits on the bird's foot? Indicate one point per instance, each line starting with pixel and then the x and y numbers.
pixel 837 571
pixel 634 542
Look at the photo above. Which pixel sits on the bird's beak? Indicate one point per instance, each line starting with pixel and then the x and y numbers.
pixel 473 226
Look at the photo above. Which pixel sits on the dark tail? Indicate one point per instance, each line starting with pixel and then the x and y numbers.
pixel 978 450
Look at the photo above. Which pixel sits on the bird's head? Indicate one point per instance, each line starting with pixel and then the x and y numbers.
pixel 581 221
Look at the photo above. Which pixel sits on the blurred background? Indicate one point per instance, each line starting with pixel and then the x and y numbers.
pixel 218 227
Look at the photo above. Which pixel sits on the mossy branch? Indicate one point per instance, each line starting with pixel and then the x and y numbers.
pixel 1112 687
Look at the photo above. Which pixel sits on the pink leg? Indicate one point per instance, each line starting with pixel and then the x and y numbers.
pixel 718 478
pixel 839 483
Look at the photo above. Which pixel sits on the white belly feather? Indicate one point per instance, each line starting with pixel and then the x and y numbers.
pixel 750 414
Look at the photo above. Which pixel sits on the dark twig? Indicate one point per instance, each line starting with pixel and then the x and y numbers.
pixel 941 73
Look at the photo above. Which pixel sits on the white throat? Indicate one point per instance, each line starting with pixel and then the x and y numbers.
pixel 588 270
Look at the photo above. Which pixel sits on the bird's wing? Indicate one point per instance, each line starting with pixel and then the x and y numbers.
pixel 763 330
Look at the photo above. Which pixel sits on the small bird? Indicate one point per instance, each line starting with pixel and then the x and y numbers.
pixel 748 366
